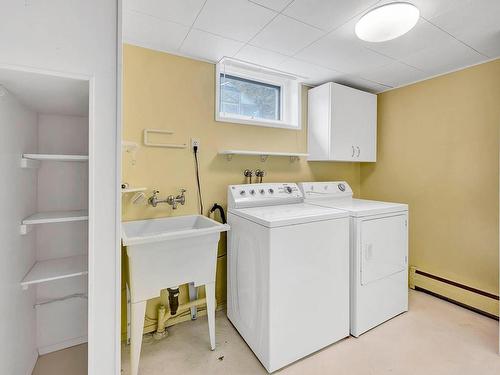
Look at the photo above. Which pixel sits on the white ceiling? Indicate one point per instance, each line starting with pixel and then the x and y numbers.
pixel 315 38
pixel 47 94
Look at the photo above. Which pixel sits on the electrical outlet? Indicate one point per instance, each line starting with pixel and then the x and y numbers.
pixel 195 142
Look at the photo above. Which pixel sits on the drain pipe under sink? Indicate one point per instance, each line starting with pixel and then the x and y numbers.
pixel 165 313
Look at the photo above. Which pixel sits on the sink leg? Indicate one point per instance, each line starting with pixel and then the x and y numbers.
pixel 210 295
pixel 193 295
pixel 137 327
pixel 128 313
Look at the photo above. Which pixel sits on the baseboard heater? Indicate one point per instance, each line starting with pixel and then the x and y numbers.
pixel 474 299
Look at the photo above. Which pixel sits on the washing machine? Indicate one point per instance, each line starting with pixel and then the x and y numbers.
pixel 378 255
pixel 288 278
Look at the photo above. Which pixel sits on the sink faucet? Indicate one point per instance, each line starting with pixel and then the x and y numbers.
pixel 171 199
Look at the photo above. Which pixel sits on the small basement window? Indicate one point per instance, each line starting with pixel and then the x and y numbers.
pixel 252 99
pixel 253 95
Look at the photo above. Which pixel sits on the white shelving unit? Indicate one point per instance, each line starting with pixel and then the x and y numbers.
pixel 59 273
pixel 263 154
pixel 56 269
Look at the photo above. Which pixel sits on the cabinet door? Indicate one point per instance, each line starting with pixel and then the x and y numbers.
pixel 354 124
pixel 343 132
pixel 365 127
pixel 319 123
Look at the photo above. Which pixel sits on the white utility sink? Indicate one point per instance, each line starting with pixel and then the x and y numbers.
pixel 164 253
pixel 169 228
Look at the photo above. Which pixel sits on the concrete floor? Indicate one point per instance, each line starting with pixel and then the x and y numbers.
pixel 63 362
pixel 434 337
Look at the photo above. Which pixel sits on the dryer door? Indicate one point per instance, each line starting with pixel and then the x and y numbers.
pixel 384 247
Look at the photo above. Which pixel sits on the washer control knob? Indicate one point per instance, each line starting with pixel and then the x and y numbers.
pixel 262 191
pixel 341 187
pixel 288 189
pixel 242 192
pixel 252 192
pixel 271 191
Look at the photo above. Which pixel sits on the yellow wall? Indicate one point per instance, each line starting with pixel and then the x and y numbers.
pixel 438 147
pixel 164 91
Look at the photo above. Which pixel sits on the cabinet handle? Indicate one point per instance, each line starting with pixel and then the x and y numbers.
pixel 353 151
pixel 359 150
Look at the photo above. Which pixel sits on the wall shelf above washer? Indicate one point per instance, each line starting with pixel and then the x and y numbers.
pixel 55 269
pixel 263 154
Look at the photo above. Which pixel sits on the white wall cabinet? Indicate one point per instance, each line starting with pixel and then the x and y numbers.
pixel 342 124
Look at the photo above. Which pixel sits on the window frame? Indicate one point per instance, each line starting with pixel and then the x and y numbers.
pixel 290 94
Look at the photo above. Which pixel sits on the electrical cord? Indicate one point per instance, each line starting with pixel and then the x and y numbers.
pixel 195 150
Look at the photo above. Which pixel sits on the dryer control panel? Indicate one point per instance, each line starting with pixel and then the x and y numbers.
pixel 322 190
pixel 266 194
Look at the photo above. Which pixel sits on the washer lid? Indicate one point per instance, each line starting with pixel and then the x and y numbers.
pixel 288 214
pixel 361 207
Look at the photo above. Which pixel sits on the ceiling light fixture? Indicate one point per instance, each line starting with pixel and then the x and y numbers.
pixel 387 22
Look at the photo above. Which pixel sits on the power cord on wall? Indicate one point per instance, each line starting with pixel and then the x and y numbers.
pixel 195 150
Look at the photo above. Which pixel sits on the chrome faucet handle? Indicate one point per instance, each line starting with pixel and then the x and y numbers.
pixel 182 198
pixel 248 173
pixel 153 200
pixel 260 173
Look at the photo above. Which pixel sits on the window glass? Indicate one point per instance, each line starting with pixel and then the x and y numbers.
pixel 247 98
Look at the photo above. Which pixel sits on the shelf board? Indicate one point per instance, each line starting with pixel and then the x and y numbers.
pixel 42 302
pixel 56 157
pixel 263 154
pixel 56 217
pixel 133 190
pixel 56 269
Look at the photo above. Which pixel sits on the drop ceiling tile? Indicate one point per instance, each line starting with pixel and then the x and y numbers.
pixel 395 74
pixel 327 14
pixel 443 58
pixel 488 45
pixel 151 32
pixel 476 23
pixel 341 54
pixel 233 19
pixel 310 73
pixel 260 56
pixel 201 44
pixel 433 8
pixel 361 84
pixel 180 11
pixel 286 35
pixel 422 36
pixel 277 5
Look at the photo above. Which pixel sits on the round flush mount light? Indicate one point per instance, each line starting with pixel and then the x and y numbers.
pixel 387 22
